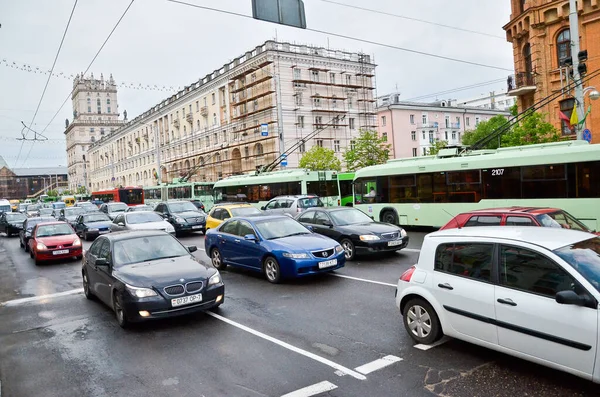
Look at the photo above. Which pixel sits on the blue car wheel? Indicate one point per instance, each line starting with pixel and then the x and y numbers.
pixel 272 270
pixel 217 259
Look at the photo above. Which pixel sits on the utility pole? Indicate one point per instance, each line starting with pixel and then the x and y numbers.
pixel 574 30
pixel 157 146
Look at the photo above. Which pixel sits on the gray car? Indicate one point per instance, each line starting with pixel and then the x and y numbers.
pixel 291 205
pixel 141 220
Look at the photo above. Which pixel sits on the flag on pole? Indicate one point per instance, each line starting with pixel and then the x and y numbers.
pixel 564 117
pixel 574 117
pixel 586 114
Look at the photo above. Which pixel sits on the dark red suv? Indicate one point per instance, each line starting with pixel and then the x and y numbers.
pixel 517 216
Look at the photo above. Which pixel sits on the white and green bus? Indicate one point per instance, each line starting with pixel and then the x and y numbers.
pixel 259 189
pixel 202 191
pixel 429 191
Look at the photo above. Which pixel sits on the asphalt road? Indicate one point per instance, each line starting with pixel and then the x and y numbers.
pixel 337 332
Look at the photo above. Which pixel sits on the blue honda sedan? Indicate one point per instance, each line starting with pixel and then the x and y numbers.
pixel 277 246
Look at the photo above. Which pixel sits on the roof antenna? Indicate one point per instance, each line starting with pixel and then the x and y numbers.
pixel 453 217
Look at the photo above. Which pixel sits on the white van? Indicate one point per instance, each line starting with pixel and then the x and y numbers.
pixel 5 206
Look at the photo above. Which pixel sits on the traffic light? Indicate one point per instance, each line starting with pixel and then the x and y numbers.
pixel 284 12
pixel 582 56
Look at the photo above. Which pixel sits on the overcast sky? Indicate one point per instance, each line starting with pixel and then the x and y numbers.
pixel 165 44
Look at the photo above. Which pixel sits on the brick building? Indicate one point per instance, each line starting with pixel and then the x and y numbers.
pixel 20 183
pixel 540 35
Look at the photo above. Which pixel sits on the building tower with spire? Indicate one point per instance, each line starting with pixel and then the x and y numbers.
pixel 95 115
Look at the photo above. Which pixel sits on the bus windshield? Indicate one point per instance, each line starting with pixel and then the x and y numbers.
pixel 131 196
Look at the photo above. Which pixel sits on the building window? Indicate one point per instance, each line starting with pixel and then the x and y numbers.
pixel 298 99
pixel 204 101
pixel 334 103
pixel 468 121
pixel 336 146
pixel 214 98
pixel 258 149
pixel 424 135
pixel 319 142
pixel 198 125
pixel 446 135
pixel 384 136
pixel 414 152
pixel 424 151
pixel 351 123
pixel 528 62
pixel 197 106
pixel 412 118
pixel 183 112
pixel 348 79
pixel 332 78
pixel 92 130
pixel 350 103
pixel 302 147
pixel 453 135
pixel 190 108
pixel 383 121
pixel 430 136
pixel 413 135
pixel 108 109
pixel 255 105
pixel 563 46
pixel 317 102
pixel 214 119
pixel 318 121
pixel 108 101
pixel 246 152
pixel 476 121
pixel 447 121
pixel 297 74
pixel 215 138
pixel 424 119
pixel 99 105
pixel 315 76
pixel 352 145
pixel 301 121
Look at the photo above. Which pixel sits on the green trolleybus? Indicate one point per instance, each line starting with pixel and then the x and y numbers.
pixel 429 191
pixel 258 189
pixel 202 191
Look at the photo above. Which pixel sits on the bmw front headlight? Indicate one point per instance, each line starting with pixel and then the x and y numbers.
pixel 369 237
pixel 215 279
pixel 403 233
pixel 140 292
pixel 295 256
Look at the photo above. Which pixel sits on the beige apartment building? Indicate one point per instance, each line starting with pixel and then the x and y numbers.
pixel 243 116
pixel 95 115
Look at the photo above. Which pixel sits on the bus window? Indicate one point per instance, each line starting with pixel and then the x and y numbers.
pixel 464 186
pixel 131 196
pixel 365 190
pixel 501 183
pixel 544 181
pixel 345 192
pixel 402 189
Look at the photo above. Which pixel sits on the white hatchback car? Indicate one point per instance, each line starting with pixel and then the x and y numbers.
pixel 530 292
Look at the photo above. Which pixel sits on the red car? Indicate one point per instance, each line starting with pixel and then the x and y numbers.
pixel 54 240
pixel 517 216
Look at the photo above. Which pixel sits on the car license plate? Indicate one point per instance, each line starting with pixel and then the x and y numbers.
pixel 323 265
pixel 60 252
pixel 196 227
pixel 394 243
pixel 186 300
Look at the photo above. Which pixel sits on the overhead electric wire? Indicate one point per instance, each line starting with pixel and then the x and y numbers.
pixel 414 19
pixel 351 38
pixel 453 90
pixel 62 40
pixel 91 63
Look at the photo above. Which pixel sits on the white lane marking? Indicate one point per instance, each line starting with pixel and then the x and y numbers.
pixel 363 280
pixel 312 390
pixel 410 250
pixel 17 302
pixel 377 364
pixel 427 347
pixel 290 347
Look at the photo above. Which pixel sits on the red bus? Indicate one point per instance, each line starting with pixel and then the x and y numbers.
pixel 127 195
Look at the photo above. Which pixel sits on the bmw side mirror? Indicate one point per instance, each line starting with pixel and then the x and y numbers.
pixel 102 263
pixel 264 207
pixel 192 248
pixel 328 224
pixel 250 237
pixel 569 297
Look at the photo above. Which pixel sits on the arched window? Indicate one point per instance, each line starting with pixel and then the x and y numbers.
pixel 527 58
pixel 258 149
pixel 563 45
pixel 89 105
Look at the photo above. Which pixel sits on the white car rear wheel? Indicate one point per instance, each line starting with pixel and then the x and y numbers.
pixel 421 322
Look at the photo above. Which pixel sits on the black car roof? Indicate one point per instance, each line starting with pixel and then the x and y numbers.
pixel 129 234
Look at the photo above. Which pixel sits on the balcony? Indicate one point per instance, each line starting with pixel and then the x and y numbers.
pixel 204 110
pixel 521 83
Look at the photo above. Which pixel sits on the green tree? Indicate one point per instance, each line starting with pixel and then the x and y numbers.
pixel 320 159
pixel 67 193
pixel 81 190
pixel 368 149
pixel 484 129
pixel 52 193
pixel 436 147
pixel 532 129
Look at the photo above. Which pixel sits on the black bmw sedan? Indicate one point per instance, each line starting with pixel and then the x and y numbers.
pixel 147 275
pixel 354 230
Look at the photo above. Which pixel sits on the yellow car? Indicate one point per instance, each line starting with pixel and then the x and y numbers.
pixel 219 213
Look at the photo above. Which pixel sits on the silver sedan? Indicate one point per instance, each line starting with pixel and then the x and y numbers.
pixel 143 220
